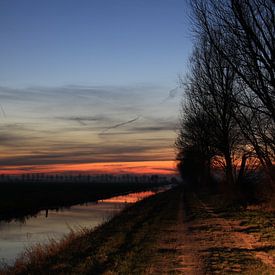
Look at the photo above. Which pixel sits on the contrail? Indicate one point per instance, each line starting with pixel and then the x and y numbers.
pixel 3 111
pixel 120 124
pixel 80 121
pixel 171 94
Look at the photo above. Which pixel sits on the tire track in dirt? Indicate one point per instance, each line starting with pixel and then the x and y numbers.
pixel 176 239
pixel 239 239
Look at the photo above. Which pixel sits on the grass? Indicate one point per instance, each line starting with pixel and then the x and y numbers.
pixel 233 261
pixel 259 222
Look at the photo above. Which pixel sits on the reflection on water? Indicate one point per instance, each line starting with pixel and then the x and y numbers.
pixel 16 236
pixel 130 198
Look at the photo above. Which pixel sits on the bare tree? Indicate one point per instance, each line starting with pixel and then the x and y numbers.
pixel 214 90
pixel 193 143
pixel 243 33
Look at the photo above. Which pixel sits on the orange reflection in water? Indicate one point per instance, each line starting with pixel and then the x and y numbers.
pixel 130 198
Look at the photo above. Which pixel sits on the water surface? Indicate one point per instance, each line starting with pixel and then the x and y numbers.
pixel 16 236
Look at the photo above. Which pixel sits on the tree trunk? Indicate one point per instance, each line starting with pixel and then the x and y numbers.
pixel 242 168
pixel 229 169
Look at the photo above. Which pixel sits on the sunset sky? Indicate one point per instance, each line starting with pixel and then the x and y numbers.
pixel 91 85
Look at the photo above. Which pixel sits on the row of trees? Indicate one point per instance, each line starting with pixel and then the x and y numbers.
pixel 106 178
pixel 228 111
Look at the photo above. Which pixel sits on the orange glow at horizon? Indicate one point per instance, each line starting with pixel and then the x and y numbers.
pixel 139 167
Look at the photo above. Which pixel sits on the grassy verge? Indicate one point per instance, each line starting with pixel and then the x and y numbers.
pixel 124 245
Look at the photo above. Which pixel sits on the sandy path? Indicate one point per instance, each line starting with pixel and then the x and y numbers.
pixel 196 246
pixel 177 240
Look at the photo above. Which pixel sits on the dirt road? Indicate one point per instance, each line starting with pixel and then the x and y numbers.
pixel 206 242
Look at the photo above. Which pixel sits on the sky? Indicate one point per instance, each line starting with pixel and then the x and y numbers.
pixel 91 85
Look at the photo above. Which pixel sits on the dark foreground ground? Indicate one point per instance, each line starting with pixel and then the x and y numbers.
pixel 174 232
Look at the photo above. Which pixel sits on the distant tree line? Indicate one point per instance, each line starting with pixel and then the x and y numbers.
pixel 228 110
pixel 84 177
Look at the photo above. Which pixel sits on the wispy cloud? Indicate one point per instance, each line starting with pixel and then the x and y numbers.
pixel 85 120
pixel 86 154
pixel 119 125
pixel 81 124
